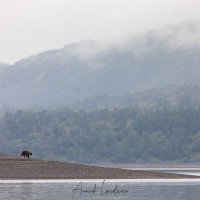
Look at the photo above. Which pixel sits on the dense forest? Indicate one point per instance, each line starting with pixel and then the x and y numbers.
pixel 134 99
pixel 120 135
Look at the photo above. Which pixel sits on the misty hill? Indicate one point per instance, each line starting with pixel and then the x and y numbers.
pixel 131 64
pixel 171 97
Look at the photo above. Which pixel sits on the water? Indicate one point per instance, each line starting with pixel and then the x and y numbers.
pixel 189 171
pixel 137 189
pixel 109 189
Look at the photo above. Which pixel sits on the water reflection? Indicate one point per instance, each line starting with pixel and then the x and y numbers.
pixel 163 189
pixel 25 190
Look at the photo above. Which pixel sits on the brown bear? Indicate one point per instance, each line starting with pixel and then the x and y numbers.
pixel 26 153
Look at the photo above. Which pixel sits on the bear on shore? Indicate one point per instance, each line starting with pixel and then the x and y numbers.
pixel 26 153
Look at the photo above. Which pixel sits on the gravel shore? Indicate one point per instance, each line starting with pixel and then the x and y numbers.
pixel 14 167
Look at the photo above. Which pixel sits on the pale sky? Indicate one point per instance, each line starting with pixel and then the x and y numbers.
pixel 28 27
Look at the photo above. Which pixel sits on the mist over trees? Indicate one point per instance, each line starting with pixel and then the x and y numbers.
pixel 133 99
pixel 131 64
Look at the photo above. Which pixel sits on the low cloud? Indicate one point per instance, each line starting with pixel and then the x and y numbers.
pixel 185 35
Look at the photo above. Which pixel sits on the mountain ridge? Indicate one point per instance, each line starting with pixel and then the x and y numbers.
pixel 97 68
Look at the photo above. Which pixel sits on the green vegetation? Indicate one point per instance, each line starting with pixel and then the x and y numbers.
pixel 115 96
pixel 121 135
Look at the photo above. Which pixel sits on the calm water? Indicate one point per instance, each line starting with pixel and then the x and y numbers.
pixel 188 171
pixel 178 189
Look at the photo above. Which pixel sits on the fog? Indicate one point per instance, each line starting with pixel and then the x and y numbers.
pixel 157 59
pixel 29 27
pixel 184 35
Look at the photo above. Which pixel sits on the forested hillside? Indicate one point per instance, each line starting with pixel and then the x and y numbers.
pixel 171 97
pixel 135 63
pixel 121 135
pixel 133 99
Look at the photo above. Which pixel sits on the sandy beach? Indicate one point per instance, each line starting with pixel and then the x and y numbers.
pixel 16 167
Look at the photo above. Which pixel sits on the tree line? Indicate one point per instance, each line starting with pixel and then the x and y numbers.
pixel 120 136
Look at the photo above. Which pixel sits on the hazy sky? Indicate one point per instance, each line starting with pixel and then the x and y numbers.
pixel 29 27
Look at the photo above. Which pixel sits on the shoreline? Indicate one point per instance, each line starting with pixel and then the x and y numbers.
pixel 151 165
pixel 161 167
pixel 189 180
pixel 19 168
